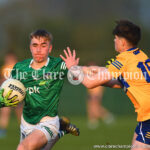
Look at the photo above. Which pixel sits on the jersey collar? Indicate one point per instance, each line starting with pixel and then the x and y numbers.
pixel 132 49
pixel 48 59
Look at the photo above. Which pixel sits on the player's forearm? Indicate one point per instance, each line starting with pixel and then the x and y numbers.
pixel 91 69
pixel 93 83
pixel 113 84
pixel 95 76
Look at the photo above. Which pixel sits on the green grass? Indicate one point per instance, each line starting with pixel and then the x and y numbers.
pixel 120 132
pixel 13 134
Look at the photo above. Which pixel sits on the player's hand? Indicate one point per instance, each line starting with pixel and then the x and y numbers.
pixel 6 101
pixel 70 59
pixel 109 62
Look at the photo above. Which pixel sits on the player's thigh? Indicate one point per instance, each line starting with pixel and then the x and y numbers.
pixel 34 141
pixel 140 146
pixel 134 138
pixel 136 145
pixel 141 138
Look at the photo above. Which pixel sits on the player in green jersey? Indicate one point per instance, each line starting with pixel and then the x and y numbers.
pixel 43 76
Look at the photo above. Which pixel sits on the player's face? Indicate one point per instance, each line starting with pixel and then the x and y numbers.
pixel 118 43
pixel 40 49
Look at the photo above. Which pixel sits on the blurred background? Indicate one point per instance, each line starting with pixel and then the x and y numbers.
pixel 86 26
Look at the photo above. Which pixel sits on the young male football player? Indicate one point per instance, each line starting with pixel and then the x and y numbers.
pixel 43 76
pixel 130 70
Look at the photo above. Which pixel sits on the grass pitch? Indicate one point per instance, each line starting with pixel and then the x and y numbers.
pixel 118 133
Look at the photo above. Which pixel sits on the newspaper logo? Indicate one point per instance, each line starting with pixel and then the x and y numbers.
pixel 75 75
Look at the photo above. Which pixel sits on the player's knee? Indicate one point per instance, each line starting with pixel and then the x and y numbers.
pixel 26 146
pixel 22 146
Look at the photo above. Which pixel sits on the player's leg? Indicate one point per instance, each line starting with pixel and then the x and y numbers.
pixel 18 111
pixel 65 128
pixel 34 141
pixel 46 129
pixel 141 138
pixel 93 108
pixel 136 145
pixel 43 145
pixel 29 136
pixel 93 111
pixel 97 111
pixel 4 120
pixel 134 138
pixel 106 115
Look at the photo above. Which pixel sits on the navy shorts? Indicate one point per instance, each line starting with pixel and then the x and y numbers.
pixel 143 132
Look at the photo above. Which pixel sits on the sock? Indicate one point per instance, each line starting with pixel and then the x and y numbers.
pixel 61 133
pixel 52 142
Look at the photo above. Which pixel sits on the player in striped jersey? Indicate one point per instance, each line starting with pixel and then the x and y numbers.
pixel 130 71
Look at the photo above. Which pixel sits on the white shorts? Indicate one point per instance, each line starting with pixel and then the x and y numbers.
pixel 48 125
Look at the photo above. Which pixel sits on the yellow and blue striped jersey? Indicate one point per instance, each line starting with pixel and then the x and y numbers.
pixel 132 69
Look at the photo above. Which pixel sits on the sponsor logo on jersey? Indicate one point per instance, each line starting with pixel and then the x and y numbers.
pixel 34 89
pixel 42 83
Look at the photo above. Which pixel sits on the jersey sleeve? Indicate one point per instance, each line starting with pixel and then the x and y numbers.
pixel 117 67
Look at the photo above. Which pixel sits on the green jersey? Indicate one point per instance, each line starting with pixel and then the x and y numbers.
pixel 43 87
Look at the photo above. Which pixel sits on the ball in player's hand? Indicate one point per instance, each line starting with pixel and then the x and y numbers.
pixel 17 89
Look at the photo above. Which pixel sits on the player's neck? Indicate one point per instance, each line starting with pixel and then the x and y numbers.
pixel 126 48
pixel 35 65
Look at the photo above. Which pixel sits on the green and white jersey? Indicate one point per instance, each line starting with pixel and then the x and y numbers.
pixel 43 87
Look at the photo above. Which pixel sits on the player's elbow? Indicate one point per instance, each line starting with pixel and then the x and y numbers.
pixel 89 85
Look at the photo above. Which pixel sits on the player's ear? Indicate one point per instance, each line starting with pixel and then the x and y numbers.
pixel 50 48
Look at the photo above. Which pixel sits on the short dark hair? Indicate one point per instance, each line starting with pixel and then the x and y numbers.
pixel 128 30
pixel 42 33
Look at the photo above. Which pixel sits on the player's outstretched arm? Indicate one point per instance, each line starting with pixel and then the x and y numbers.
pixel 93 76
pixel 96 76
